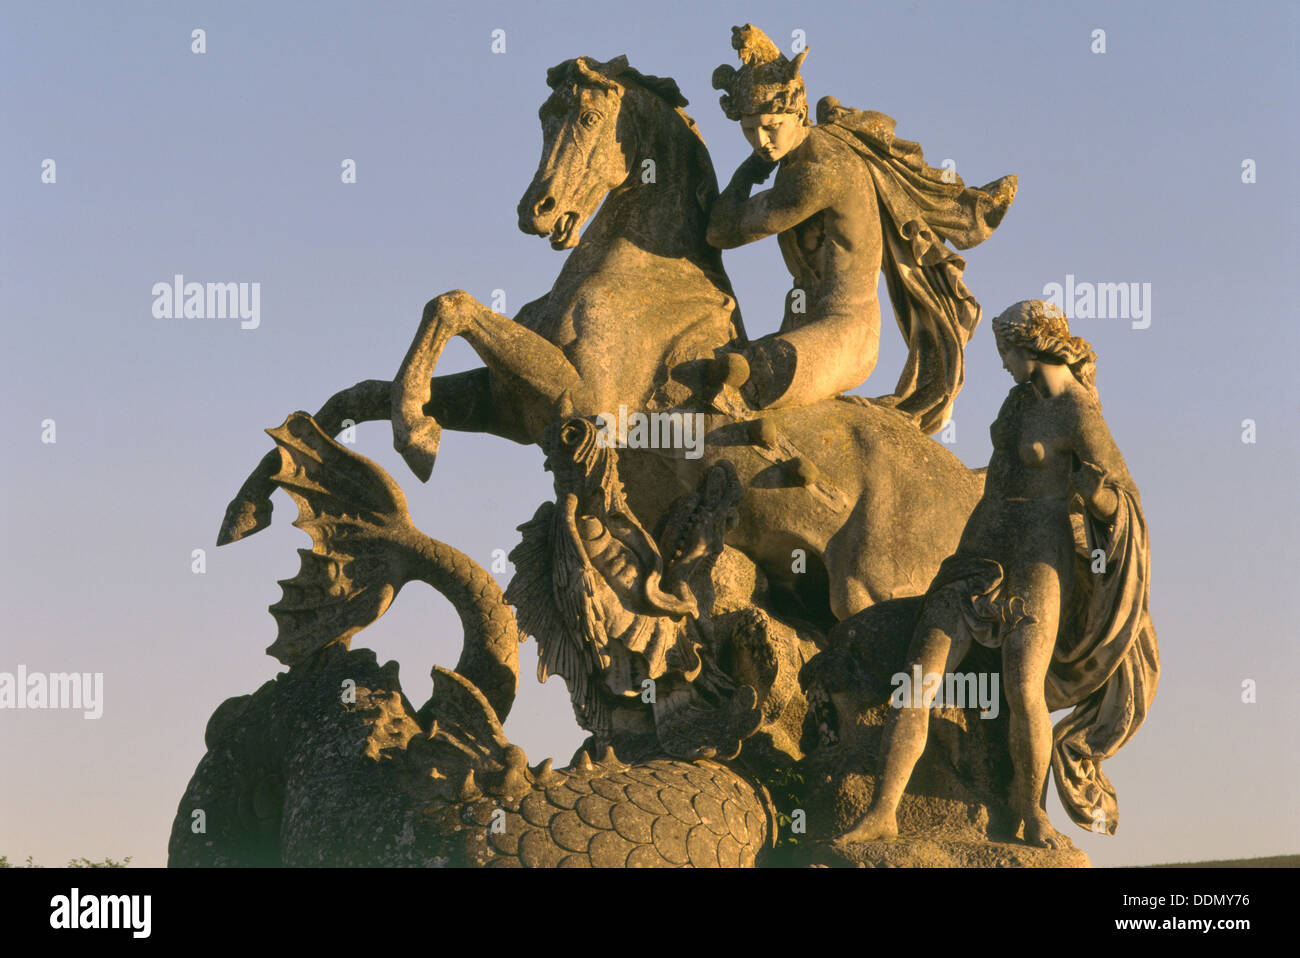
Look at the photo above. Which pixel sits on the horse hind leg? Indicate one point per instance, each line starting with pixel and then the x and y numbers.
pixel 463 401
pixel 250 510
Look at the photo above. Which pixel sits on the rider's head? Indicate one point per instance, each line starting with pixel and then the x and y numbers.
pixel 766 95
pixel 773 135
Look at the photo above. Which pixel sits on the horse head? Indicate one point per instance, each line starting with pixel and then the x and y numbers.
pixel 596 127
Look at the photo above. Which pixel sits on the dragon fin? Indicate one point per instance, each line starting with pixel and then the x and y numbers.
pixel 363 541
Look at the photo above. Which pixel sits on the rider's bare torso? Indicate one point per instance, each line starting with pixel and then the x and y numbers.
pixel 822 207
pixel 834 255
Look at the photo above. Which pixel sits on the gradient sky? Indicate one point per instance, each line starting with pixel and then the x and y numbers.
pixel 225 167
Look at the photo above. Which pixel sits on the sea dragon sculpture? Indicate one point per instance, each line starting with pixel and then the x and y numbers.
pixel 449 787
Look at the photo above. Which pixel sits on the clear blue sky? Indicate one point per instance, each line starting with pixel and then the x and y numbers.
pixel 225 167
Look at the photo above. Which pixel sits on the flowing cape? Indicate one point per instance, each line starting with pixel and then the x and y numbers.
pixel 1105 664
pixel 922 207
pixel 1108 666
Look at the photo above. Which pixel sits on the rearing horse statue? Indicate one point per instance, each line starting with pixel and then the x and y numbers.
pixel 846 502
pixel 641 293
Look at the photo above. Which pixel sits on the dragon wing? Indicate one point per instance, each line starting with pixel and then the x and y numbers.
pixel 554 592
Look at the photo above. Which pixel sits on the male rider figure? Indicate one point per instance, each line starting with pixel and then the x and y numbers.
pixel 848 200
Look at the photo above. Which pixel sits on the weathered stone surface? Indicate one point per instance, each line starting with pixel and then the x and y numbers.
pixel 1052 575
pixel 296 776
pixel 939 850
pixel 723 578
pixel 847 200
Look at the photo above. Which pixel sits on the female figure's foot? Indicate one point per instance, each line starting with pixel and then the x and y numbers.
pixel 1039 831
pixel 875 826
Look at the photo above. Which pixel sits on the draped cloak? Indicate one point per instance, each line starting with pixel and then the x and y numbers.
pixel 1105 664
pixel 920 208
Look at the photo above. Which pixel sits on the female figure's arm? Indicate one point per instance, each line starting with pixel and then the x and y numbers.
pixel 1098 466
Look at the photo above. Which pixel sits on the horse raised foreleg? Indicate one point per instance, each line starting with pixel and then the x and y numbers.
pixel 528 369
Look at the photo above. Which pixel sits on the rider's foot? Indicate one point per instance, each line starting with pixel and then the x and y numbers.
pixel 729 369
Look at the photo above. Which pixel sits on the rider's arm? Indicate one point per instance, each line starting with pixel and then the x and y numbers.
pixel 737 219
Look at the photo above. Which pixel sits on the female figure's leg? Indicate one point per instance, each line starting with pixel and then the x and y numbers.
pixel 938 651
pixel 1026 655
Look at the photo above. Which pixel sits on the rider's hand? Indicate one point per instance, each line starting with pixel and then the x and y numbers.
pixel 757 168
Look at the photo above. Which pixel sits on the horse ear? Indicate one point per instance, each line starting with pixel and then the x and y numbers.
pixel 555 75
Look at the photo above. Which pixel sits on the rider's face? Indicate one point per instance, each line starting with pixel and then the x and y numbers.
pixel 773 135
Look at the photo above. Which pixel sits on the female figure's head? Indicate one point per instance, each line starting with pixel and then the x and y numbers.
pixel 1034 330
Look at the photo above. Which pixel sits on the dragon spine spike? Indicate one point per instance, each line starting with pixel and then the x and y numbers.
pixel 469 789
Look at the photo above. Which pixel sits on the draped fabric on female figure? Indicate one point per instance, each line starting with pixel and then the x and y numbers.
pixel 921 207
pixel 1105 664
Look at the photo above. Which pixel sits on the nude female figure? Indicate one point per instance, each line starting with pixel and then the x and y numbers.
pixel 1019 582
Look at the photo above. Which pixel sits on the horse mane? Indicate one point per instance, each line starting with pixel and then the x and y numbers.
pixel 618 70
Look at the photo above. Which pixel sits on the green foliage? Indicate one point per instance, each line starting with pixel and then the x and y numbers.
pixel 72 863
pixel 106 863
pixel 786 789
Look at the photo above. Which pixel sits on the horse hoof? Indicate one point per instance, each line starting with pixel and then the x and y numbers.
pixel 419 460
pixel 419 448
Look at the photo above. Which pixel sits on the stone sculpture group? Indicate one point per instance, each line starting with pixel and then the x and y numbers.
pixel 812 636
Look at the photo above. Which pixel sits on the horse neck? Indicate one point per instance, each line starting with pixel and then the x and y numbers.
pixel 664 217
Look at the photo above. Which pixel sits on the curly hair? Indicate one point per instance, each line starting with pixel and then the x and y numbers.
pixel 1041 328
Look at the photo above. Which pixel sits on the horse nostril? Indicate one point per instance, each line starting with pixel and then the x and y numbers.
pixel 545 206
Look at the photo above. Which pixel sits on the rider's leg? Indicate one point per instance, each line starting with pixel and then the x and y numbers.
pixel 799 366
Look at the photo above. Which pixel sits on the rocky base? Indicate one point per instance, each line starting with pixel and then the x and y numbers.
pixel 938 851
